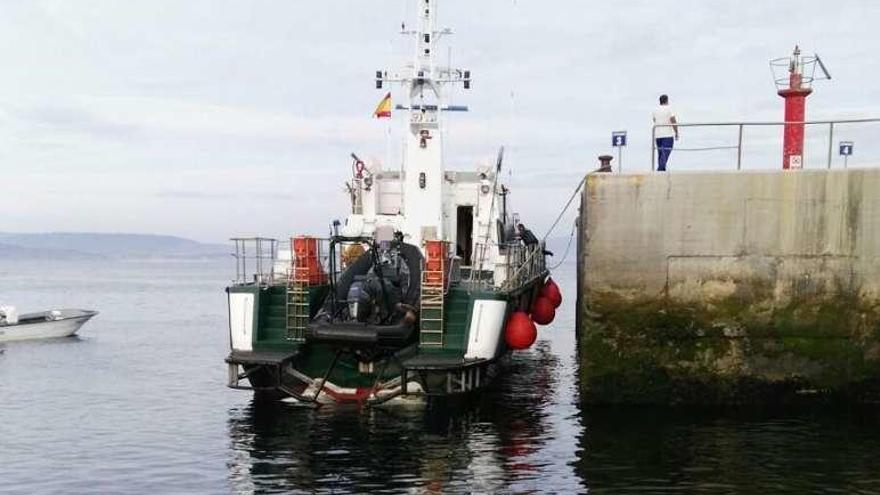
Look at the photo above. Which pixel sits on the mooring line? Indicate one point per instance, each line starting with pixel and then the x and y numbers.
pixel 568 247
pixel 568 204
pixel 558 218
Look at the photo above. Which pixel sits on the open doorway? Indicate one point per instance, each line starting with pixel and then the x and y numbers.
pixel 464 238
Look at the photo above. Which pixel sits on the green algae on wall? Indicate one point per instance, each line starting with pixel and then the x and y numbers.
pixel 671 353
pixel 745 288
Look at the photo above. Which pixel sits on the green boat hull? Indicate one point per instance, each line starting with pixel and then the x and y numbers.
pixel 278 365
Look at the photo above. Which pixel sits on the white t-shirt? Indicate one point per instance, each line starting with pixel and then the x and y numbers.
pixel 663 114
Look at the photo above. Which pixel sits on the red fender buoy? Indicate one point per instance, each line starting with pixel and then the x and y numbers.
pixel 520 332
pixel 543 311
pixel 551 291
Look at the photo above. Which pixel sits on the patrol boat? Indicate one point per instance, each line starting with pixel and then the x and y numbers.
pixel 422 291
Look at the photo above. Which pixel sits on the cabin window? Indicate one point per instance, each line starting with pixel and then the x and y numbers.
pixel 464 239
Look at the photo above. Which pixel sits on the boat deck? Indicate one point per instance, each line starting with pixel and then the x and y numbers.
pixel 432 362
pixel 260 357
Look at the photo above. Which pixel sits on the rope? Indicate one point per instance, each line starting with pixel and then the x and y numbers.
pixel 565 209
pixel 567 248
pixel 558 218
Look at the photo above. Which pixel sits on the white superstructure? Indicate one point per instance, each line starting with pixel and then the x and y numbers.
pixel 421 198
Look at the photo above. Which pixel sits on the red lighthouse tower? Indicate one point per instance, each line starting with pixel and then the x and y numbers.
pixel 794 85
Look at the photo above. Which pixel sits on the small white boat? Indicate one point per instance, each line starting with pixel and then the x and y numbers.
pixel 42 325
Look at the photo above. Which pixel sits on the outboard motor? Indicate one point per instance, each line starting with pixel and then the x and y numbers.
pixel 374 298
pixel 8 315
pixel 357 299
pixel 371 299
pixel 380 294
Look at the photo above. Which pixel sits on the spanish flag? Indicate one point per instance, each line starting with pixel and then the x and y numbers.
pixel 383 111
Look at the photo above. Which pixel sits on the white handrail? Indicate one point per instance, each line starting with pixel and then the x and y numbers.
pixel 772 122
pixel 744 124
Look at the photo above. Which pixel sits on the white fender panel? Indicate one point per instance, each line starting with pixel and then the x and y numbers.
pixel 487 323
pixel 241 321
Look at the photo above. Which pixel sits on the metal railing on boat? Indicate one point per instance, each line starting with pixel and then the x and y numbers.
pixel 258 260
pixel 520 263
pixel 261 252
pixel 525 263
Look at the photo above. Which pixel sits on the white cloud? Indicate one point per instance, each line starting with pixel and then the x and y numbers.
pixel 155 116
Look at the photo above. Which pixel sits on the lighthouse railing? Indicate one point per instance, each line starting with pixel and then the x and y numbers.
pixel 741 126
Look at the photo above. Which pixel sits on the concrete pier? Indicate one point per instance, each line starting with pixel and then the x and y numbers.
pixel 743 287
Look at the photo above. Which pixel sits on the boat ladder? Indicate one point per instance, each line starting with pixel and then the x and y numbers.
pixel 298 282
pixel 432 295
pixel 297 310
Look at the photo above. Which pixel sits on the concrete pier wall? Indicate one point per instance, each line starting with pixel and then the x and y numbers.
pixel 730 287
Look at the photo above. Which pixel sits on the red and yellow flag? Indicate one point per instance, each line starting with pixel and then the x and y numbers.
pixel 383 111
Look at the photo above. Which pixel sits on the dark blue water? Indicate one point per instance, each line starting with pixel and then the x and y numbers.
pixel 138 404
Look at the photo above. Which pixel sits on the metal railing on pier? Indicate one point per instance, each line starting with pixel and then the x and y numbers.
pixel 739 144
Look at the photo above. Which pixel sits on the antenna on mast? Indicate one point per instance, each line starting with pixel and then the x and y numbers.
pixel 424 77
pixel 822 66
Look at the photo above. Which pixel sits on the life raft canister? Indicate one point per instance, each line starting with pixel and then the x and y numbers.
pixel 306 259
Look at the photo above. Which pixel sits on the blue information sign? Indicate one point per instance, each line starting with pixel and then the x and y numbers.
pixel 846 148
pixel 618 139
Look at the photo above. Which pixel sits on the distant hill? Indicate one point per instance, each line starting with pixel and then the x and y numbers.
pixel 17 252
pixel 69 245
pixel 83 245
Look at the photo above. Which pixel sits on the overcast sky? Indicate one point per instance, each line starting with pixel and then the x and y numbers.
pixel 208 119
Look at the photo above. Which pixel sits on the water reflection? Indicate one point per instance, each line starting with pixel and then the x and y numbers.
pixel 650 450
pixel 95 411
pixel 530 434
pixel 493 443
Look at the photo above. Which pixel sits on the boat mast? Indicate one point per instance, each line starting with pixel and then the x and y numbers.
pixel 425 83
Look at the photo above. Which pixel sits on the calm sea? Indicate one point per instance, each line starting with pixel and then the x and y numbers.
pixel 137 404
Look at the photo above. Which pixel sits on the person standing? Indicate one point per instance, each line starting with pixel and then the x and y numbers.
pixel 666 132
pixel 529 240
pixel 526 236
